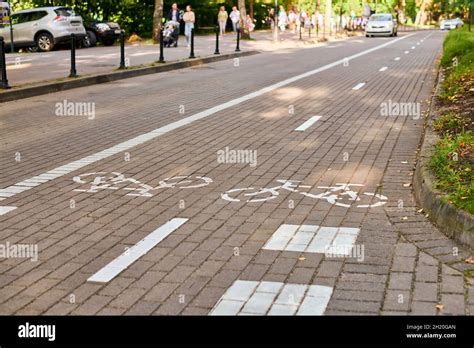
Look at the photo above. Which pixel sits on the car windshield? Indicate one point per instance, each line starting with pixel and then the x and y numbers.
pixel 381 18
pixel 64 12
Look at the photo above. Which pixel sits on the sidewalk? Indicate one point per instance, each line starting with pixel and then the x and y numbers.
pixel 28 68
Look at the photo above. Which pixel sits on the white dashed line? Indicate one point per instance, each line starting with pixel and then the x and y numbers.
pixel 358 86
pixel 4 210
pixel 115 267
pixel 70 167
pixel 383 68
pixel 308 124
pixel 397 58
pixel 273 298
pixel 406 52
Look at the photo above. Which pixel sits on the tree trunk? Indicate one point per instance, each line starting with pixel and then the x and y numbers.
pixel 244 32
pixel 328 15
pixel 251 9
pixel 157 16
pixel 422 17
pixel 401 7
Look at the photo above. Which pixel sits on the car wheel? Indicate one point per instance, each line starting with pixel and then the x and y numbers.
pixel 367 35
pixel 44 42
pixel 32 49
pixel 90 40
pixel 396 33
pixel 108 42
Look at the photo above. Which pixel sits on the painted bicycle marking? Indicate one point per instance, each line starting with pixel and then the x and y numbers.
pixel 334 194
pixel 116 181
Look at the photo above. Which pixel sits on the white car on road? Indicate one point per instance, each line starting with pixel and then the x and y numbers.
pixel 451 24
pixel 382 24
pixel 44 27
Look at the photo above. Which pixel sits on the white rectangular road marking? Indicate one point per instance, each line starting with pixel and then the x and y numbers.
pixel 313 239
pixel 383 68
pixel 272 298
pixel 308 124
pixel 4 210
pixel 65 169
pixel 358 86
pixel 115 267
pixel 406 52
pixel 397 58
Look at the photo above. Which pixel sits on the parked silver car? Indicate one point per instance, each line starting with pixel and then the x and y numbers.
pixel 44 27
pixel 381 24
pixel 451 24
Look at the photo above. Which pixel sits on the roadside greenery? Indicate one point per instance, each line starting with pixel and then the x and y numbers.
pixel 136 16
pixel 453 160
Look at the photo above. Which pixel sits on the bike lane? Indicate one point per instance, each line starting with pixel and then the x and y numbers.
pixel 223 242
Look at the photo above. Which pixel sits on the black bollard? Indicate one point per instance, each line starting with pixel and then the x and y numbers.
pixel 73 56
pixel 162 44
pixel 122 50
pixel 309 31
pixel 237 49
pixel 3 65
pixel 191 55
pixel 301 38
pixel 217 41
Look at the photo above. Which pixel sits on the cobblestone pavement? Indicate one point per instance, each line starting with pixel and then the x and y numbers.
pixel 178 234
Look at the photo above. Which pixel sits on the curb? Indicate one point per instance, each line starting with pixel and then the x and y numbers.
pixel 453 222
pixel 33 91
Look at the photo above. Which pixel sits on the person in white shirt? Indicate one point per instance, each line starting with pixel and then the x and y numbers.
pixel 235 18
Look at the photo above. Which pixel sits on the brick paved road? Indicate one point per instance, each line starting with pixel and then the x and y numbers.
pixel 231 256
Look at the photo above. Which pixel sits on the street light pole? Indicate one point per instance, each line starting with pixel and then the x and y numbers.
pixel 340 16
pixel 12 46
pixel 275 22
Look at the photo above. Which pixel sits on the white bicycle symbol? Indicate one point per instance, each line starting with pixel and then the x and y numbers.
pixel 115 181
pixel 334 194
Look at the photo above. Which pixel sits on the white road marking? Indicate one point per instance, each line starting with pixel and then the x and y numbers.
pixel 337 241
pixel 358 86
pixel 397 58
pixel 383 68
pixel 124 146
pixel 115 267
pixel 406 52
pixel 308 124
pixel 413 47
pixel 5 209
pixel 273 298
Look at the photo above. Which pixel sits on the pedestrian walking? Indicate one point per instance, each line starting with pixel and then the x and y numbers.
pixel 235 18
pixel 175 16
pixel 282 19
pixel 271 18
pixel 189 19
pixel 222 18
pixel 249 24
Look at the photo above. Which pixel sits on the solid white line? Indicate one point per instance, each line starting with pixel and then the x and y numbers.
pixel 308 124
pixel 110 271
pixel 4 210
pixel 358 86
pixel 383 68
pixel 188 120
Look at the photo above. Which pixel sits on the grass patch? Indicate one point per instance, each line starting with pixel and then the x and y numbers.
pixel 453 160
pixel 453 168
